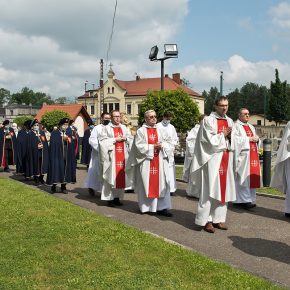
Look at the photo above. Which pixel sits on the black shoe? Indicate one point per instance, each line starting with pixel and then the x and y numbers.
pixel 129 191
pixel 172 194
pixel 110 203
pixel 63 189
pixel 287 214
pixel 164 212
pixel 117 201
pixel 41 179
pixel 6 169
pixel 91 192
pixel 53 188
pixel 36 180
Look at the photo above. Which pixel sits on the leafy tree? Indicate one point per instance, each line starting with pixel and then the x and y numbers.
pixel 20 120
pixel 28 96
pixel 278 110
pixel 61 100
pixel 209 99
pixel 4 96
pixel 52 118
pixel 178 102
pixel 236 102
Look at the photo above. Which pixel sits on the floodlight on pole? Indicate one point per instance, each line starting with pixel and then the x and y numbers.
pixel 170 51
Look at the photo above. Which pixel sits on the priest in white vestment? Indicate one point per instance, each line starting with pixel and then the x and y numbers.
pixel 165 126
pixel 115 143
pixel 281 176
pixel 149 161
pixel 94 180
pixel 246 161
pixel 213 164
pixel 191 189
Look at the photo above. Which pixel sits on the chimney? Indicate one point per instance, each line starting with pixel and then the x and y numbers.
pixel 166 75
pixel 138 78
pixel 176 78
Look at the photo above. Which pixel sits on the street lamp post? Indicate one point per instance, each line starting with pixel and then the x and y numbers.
pixel 170 51
pixel 221 83
pixel 86 82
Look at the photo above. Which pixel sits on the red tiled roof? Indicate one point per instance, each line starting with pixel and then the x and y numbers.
pixel 140 87
pixel 72 109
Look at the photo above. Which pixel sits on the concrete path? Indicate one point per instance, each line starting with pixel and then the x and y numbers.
pixel 258 240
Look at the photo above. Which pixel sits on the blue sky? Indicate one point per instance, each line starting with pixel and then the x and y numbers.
pixel 245 39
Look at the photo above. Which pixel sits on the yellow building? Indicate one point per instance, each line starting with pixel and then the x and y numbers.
pixel 126 96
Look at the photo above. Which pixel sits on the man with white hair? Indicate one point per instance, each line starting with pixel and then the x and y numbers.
pixel 149 164
pixel 15 128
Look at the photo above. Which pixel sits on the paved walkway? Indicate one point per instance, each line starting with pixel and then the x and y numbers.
pixel 258 240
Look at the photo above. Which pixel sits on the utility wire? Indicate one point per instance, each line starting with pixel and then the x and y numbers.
pixel 111 35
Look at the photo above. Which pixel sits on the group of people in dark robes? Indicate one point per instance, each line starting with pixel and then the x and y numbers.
pixel 35 157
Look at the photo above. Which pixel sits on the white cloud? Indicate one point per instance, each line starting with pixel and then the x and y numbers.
pixel 236 72
pixel 56 45
pixel 281 15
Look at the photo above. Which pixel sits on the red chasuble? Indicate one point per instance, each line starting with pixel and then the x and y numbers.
pixel 223 170
pixel 254 161
pixel 120 159
pixel 153 191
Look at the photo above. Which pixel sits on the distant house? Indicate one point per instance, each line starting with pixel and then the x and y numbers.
pixel 126 96
pixel 12 111
pixel 76 112
pixel 259 120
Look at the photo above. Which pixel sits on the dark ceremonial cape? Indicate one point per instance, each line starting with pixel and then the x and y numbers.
pixel 86 148
pixel 7 148
pixel 21 151
pixel 62 162
pixel 37 159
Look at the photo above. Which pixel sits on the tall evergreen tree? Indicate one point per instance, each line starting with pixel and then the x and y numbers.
pixel 209 99
pixel 278 110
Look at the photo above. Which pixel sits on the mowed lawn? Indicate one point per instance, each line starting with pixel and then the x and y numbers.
pixel 47 243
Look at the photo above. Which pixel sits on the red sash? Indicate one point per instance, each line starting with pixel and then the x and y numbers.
pixel 153 191
pixel 120 159
pixel 254 161
pixel 3 161
pixel 223 170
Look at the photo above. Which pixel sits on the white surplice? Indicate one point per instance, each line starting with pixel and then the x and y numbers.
pixel 107 142
pixel 171 132
pixel 241 145
pixel 138 166
pixel 94 178
pixel 190 144
pixel 206 161
pixel 281 176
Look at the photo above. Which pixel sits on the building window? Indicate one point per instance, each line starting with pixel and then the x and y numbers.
pixel 105 108
pixel 11 112
pixel 92 110
pixel 113 89
pixel 111 107
pixel 117 106
pixel 129 109
pixel 139 109
pixel 108 90
pixel 259 122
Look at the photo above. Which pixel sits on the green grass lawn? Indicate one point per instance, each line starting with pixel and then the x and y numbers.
pixel 47 243
pixel 179 171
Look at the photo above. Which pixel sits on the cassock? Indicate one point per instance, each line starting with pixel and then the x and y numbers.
pixel 37 158
pixel 246 162
pixel 62 162
pixel 86 147
pixel 281 176
pixel 171 132
pixel 190 144
pixel 213 164
pixel 149 169
pixel 94 178
pixel 114 156
pixel 7 147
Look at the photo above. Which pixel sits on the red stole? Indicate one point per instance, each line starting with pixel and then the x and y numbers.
pixel 254 161
pixel 3 161
pixel 119 159
pixel 223 170
pixel 153 191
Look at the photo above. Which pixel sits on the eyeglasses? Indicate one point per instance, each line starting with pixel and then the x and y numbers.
pixel 246 114
pixel 116 116
pixel 151 117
